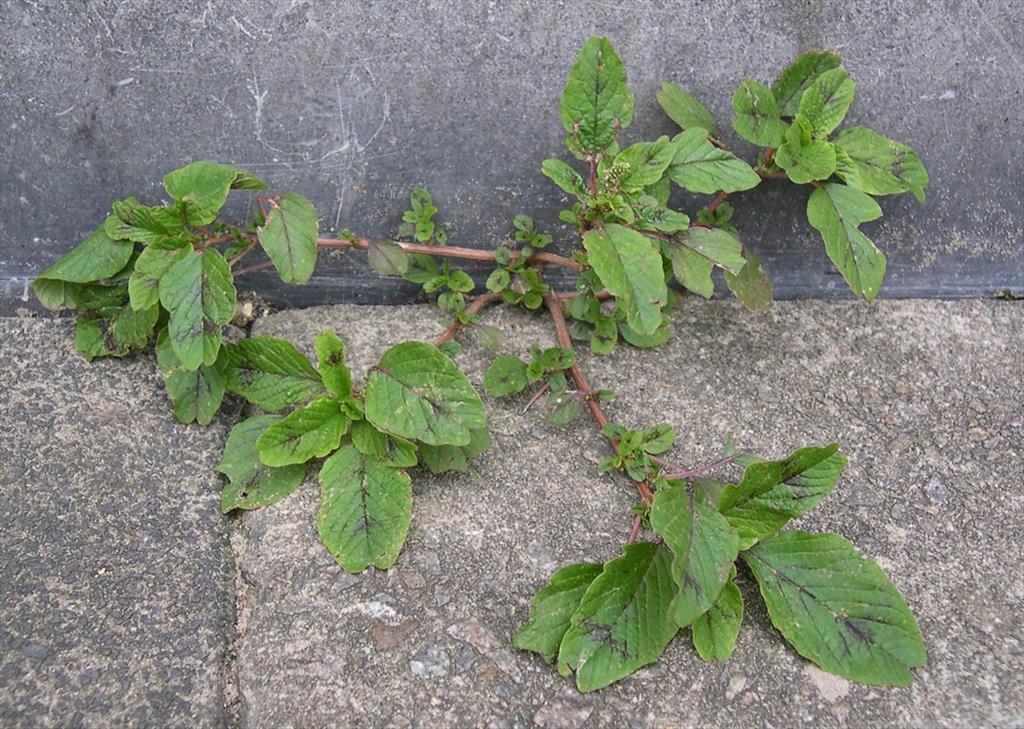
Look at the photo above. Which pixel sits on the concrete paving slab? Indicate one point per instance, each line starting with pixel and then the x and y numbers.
pixel 116 579
pixel 926 398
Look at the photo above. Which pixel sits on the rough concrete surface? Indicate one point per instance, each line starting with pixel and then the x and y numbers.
pixel 926 398
pixel 116 579
pixel 354 103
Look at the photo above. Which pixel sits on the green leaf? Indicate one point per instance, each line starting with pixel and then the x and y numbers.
pixel 597 101
pixel 629 266
pixel 200 189
pixel 309 432
pixel 751 285
pixel 55 294
pixel 804 158
pixel 685 110
pixel 330 354
pixel 773 492
pixel 199 293
pixel 693 271
pixel 365 510
pixel 97 257
pixel 645 163
pixel 700 166
pixel 387 449
pixel 460 281
pixel 835 211
pixel 289 237
pixel 143 224
pixel 505 376
pixel 564 176
pixel 154 261
pixel 875 164
pixel 440 459
pixel 658 439
pixel 623 621
pixel 252 483
pixel 416 392
pixel 704 546
pixel 720 246
pixel 789 87
pixel 714 632
pixel 827 100
pixel 553 607
pixel 646 341
pixel 113 331
pixel 386 258
pixel 195 394
pixel 756 115
pixel 271 374
pixel 245 180
pixel 836 607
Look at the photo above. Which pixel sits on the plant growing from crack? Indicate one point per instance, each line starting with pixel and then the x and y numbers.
pixel 166 274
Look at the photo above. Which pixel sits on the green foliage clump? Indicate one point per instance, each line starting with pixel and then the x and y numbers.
pixel 165 275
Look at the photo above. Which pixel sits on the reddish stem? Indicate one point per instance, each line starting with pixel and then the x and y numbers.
pixel 536 396
pixel 472 254
pixel 256 267
pixel 474 307
pixel 635 531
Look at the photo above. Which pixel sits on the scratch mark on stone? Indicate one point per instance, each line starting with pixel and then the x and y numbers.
pixel 242 28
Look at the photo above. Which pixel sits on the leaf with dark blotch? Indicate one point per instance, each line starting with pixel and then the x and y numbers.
pixel 195 394
pixel 624 619
pixel 416 392
pixel 596 102
pixel 836 607
pixel 505 376
pixel 199 293
pixel 756 115
pixel 365 510
pixel 388 449
pixel 252 483
pixel 875 164
pixel 289 237
pixel 704 546
pixel 155 260
pixel 714 633
pixel 564 176
pixel 201 188
pixel 826 101
pixel 270 373
pixel 773 492
pixel 645 163
pixel 306 433
pixel 330 354
pixel 143 224
pixel 789 87
pixel 804 157
pixel 552 609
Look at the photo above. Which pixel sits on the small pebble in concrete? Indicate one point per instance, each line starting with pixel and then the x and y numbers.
pixel 431 663
pixel 936 491
pixel 542 557
pixel 831 688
